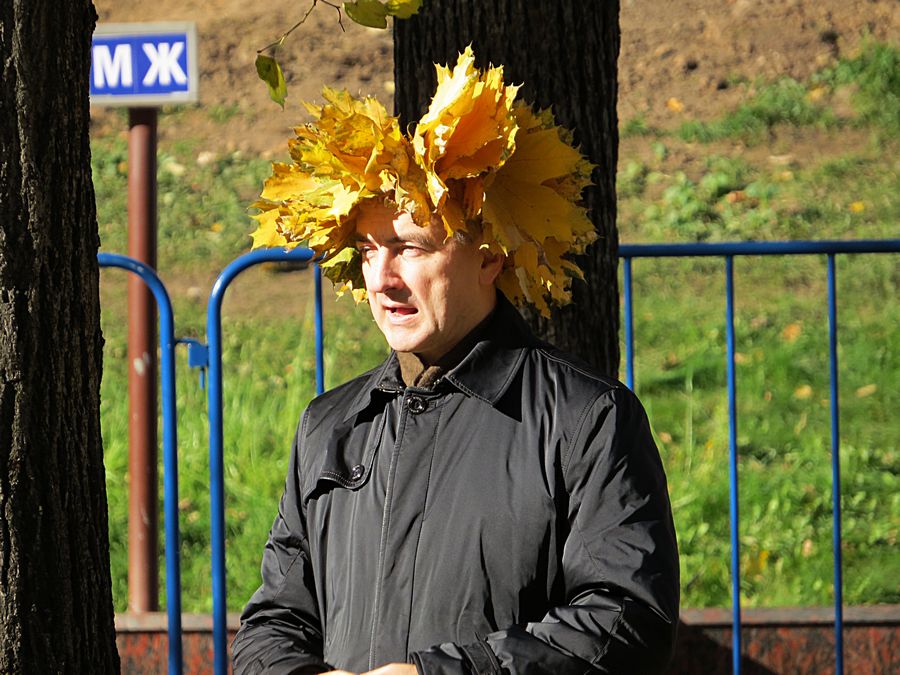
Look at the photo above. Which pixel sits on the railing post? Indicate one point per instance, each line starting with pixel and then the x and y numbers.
pixel 629 324
pixel 835 470
pixel 216 441
pixel 320 333
pixel 217 477
pixel 733 470
pixel 170 448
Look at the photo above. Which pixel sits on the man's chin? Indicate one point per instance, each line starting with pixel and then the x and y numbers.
pixel 400 339
pixel 404 345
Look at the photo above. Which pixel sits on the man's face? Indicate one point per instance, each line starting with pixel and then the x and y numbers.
pixel 425 293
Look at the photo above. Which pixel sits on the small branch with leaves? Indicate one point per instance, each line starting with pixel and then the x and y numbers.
pixel 371 13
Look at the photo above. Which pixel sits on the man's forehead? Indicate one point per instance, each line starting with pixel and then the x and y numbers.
pixel 389 226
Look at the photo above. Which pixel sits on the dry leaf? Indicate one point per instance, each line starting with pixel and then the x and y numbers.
pixel 674 105
pixel 792 331
pixel 866 390
pixel 804 391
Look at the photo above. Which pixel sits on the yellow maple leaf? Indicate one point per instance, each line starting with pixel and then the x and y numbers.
pixel 472 196
pixel 266 234
pixel 411 194
pixel 468 129
pixel 351 139
pixel 531 212
pixel 508 284
pixel 451 88
pixel 287 181
pixel 344 200
pixel 483 137
pixel 541 155
pixel 529 207
pixel 345 271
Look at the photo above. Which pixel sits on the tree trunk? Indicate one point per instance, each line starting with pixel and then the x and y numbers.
pixel 565 52
pixel 56 612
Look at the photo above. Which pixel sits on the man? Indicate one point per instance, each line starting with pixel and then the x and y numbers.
pixel 480 502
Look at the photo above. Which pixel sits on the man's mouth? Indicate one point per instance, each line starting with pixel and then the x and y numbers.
pixel 401 310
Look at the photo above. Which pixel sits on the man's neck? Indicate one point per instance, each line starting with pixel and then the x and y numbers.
pixel 417 372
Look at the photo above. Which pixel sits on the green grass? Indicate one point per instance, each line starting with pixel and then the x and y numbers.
pixel 852 196
pixel 783 432
pixel 638 126
pixel 783 102
pixel 874 78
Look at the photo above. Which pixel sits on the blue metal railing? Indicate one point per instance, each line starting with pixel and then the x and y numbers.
pixel 216 453
pixel 203 356
pixel 211 356
pixel 728 250
pixel 170 446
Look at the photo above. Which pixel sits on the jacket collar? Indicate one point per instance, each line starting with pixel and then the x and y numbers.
pixel 485 373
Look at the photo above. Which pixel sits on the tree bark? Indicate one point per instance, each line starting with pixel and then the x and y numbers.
pixel 565 52
pixel 56 612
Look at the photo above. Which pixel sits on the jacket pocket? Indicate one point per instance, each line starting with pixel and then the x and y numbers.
pixel 345 459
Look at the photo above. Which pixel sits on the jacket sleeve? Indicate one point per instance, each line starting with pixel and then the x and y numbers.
pixel 619 563
pixel 280 631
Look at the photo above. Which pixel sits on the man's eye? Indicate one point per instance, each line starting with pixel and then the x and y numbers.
pixel 411 251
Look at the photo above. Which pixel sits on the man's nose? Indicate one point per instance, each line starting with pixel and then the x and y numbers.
pixel 382 275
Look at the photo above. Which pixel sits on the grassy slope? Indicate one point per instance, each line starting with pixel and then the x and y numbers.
pixel 717 181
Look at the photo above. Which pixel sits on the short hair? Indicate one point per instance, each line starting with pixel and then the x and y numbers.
pixel 472 232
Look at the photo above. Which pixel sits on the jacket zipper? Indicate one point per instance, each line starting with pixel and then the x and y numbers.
pixel 385 524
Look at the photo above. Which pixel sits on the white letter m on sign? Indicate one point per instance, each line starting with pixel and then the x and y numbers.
pixel 164 66
pixel 108 68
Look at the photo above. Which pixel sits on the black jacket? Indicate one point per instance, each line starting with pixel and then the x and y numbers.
pixel 513 519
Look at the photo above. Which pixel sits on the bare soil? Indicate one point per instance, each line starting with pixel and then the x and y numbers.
pixel 693 51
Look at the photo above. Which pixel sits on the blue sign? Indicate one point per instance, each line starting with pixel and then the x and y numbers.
pixel 144 64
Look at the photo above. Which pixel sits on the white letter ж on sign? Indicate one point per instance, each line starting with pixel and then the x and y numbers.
pixel 144 64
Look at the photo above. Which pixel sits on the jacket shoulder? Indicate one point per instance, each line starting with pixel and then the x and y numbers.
pixel 585 377
pixel 334 403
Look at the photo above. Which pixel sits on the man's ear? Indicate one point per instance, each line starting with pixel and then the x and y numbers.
pixel 491 265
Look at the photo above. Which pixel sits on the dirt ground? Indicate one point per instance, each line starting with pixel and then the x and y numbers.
pixel 694 51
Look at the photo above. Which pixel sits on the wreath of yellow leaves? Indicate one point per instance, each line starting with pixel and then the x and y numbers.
pixel 476 156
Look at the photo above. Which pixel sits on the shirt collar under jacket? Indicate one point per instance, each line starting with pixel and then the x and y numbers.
pixel 485 373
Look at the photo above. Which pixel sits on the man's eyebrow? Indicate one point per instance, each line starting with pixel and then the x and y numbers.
pixel 416 238
pixel 413 237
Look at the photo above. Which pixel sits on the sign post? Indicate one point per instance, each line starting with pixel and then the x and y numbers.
pixel 143 66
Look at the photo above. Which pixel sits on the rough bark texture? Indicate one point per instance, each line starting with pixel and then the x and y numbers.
pixel 565 52
pixel 56 611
